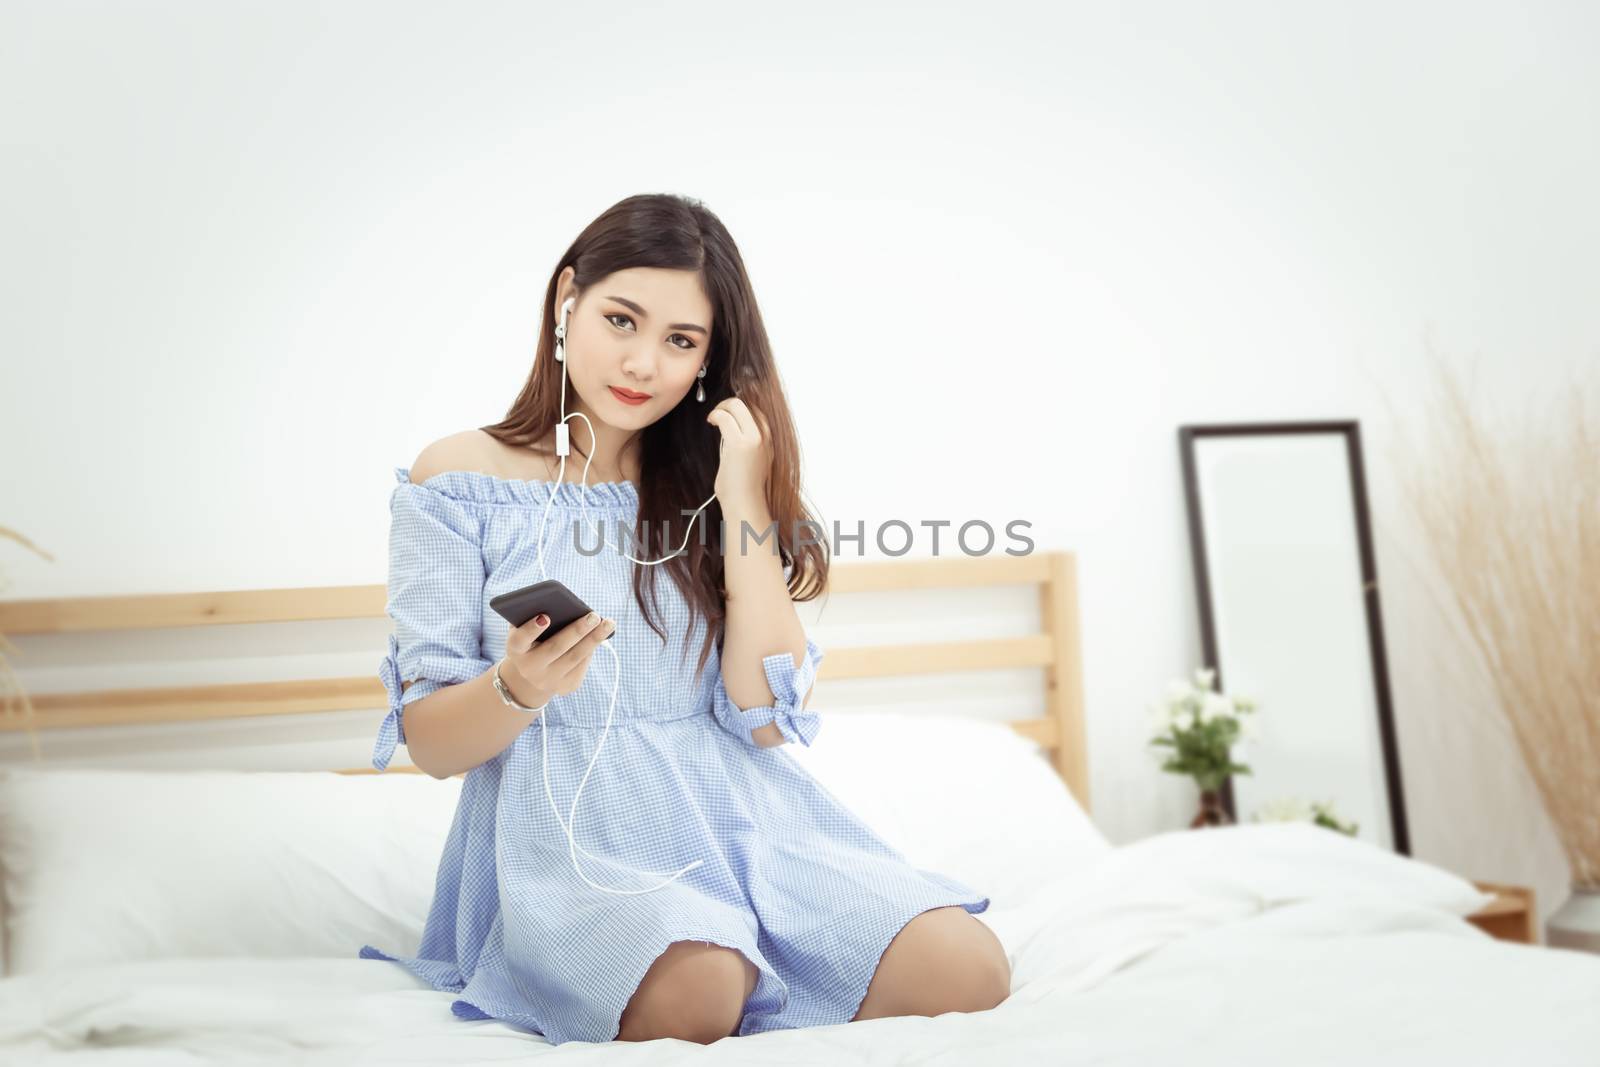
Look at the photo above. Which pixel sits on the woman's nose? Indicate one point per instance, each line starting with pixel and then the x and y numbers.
pixel 640 363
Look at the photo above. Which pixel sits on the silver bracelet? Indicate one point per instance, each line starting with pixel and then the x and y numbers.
pixel 510 701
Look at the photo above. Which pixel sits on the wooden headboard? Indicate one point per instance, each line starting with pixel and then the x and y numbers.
pixel 1055 648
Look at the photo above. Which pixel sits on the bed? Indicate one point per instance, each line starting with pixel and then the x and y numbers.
pixel 200 914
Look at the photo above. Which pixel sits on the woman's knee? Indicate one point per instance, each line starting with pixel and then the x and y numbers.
pixel 991 978
pixel 970 975
pixel 694 991
pixel 942 960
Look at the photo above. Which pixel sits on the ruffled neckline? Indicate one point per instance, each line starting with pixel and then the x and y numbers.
pixel 478 487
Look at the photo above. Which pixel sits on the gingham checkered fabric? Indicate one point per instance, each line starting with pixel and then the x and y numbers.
pixel 790 878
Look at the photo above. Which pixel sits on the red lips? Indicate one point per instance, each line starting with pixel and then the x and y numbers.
pixel 628 397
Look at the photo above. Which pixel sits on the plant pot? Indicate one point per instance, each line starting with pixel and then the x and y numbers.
pixel 1576 924
pixel 1212 813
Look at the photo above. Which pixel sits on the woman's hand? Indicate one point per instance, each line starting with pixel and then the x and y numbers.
pixel 556 665
pixel 746 456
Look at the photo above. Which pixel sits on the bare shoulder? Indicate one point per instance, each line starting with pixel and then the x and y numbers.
pixel 474 450
pixel 464 451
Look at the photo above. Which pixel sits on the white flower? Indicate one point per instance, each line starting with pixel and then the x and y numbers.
pixel 1215 706
pixel 1286 809
pixel 1183 720
pixel 1178 691
pixel 1159 721
pixel 1204 677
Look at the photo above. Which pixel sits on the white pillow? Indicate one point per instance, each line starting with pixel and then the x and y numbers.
pixel 108 866
pixel 967 797
pixel 1285 862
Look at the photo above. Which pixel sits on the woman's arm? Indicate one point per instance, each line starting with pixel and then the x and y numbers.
pixel 458 727
pixel 761 618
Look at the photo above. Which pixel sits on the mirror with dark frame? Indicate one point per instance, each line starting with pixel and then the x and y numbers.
pixel 1288 599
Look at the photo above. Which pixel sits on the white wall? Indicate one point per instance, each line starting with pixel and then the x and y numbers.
pixel 258 255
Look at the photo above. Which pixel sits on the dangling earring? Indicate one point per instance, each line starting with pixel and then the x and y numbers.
pixel 700 390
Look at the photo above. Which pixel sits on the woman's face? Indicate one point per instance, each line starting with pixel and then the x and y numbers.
pixel 642 331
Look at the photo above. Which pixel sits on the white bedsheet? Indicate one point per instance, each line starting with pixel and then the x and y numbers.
pixel 1259 944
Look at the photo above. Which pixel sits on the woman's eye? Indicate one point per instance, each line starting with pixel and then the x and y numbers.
pixel 624 318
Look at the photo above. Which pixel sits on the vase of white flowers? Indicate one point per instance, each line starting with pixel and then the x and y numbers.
pixel 1212 812
pixel 1200 726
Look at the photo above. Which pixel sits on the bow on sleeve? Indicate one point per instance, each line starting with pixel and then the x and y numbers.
pixel 392 732
pixel 789 685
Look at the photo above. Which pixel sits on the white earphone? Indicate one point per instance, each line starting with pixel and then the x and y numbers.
pixel 563 448
pixel 561 333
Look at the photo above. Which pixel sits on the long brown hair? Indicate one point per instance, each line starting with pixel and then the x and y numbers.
pixel 679 458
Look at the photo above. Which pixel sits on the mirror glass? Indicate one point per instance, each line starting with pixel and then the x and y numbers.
pixel 1288 604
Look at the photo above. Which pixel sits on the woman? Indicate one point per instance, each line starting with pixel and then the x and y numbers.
pixel 721 890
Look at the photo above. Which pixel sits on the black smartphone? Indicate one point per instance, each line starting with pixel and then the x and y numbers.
pixel 549 596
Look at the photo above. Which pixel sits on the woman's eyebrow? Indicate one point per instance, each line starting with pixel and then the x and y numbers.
pixel 642 313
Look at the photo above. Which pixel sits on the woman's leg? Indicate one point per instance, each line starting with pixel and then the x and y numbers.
pixel 944 959
pixel 694 991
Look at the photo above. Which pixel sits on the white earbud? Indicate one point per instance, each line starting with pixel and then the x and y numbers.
pixel 561 329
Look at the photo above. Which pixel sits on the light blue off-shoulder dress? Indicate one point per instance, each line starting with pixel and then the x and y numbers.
pixel 789 876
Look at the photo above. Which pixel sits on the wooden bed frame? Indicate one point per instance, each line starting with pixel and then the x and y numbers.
pixel 1056 649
